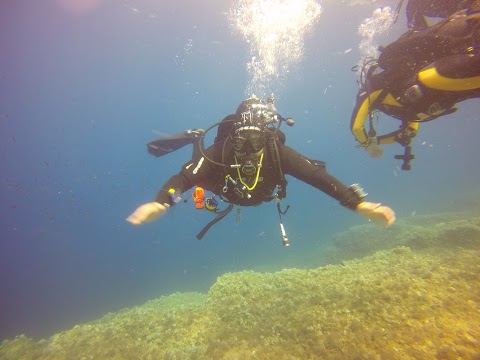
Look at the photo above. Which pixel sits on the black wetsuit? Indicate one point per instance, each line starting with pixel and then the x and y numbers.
pixel 212 177
pixel 417 10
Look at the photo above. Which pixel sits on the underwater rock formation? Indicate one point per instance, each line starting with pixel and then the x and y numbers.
pixel 418 297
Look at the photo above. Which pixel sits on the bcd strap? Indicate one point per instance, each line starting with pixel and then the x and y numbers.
pixel 275 154
pixel 219 217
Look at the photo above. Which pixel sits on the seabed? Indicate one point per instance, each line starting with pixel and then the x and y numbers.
pixel 411 291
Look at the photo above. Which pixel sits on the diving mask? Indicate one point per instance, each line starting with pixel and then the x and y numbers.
pixel 248 142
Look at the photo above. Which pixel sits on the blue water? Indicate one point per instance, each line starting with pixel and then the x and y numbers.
pixel 81 94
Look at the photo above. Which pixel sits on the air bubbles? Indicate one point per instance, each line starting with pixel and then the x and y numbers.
pixel 381 20
pixel 275 30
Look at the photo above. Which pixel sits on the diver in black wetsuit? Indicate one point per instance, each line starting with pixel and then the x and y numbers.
pixel 418 78
pixel 247 163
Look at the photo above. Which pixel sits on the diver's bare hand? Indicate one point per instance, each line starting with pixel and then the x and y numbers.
pixel 147 212
pixel 377 213
pixel 373 148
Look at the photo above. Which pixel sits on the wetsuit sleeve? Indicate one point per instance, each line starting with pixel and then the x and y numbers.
pixel 403 135
pixel 417 11
pixel 370 94
pixel 178 183
pixel 193 172
pixel 300 167
pixel 415 18
pixel 360 115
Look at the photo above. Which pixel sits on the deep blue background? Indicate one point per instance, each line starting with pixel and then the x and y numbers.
pixel 80 95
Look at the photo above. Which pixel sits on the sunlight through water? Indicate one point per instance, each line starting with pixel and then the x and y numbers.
pixel 275 31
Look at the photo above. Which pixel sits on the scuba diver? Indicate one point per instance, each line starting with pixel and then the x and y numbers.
pixel 246 166
pixel 418 10
pixel 418 78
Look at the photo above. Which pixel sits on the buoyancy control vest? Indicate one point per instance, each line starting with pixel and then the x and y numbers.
pixel 274 138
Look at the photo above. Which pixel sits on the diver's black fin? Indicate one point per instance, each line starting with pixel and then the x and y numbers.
pixel 168 144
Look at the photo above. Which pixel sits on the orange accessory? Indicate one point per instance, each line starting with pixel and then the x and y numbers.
pixel 199 198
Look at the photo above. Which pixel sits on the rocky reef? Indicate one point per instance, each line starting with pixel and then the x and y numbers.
pixel 408 292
